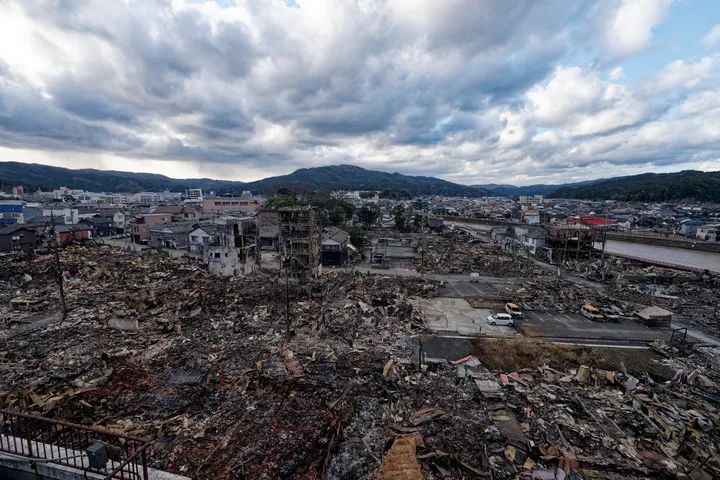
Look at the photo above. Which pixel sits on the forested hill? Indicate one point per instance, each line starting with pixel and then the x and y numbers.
pixel 650 187
pixel 349 177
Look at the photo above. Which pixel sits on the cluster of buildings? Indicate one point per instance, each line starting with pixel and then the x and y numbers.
pixel 229 233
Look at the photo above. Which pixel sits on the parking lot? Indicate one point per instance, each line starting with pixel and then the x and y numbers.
pixel 456 316
pixel 487 288
pixel 561 325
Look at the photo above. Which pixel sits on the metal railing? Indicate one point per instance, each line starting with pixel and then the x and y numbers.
pixel 113 455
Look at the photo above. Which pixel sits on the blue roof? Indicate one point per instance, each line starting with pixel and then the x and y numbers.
pixel 12 208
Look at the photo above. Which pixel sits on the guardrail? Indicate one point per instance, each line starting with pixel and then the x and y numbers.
pixel 113 455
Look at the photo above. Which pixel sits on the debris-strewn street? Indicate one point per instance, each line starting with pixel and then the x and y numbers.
pixel 204 366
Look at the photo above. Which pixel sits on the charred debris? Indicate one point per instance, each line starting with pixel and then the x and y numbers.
pixel 206 368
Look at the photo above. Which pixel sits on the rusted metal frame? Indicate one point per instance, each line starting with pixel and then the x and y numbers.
pixel 64 423
pixel 72 437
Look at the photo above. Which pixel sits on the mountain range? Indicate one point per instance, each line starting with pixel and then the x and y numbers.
pixel 347 177
pixel 647 187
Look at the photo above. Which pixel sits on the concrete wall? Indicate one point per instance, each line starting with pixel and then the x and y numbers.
pixel 666 242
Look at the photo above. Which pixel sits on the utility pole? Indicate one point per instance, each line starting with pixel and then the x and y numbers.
pixel 422 246
pixel 287 302
pixel 288 262
pixel 58 267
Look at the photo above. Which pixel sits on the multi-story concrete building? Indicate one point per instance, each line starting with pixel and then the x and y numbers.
pixel 245 205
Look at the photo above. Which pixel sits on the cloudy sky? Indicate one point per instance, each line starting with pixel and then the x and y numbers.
pixel 470 91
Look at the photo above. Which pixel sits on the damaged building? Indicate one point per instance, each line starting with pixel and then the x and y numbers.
pixel 232 251
pixel 334 246
pixel 572 241
pixel 299 240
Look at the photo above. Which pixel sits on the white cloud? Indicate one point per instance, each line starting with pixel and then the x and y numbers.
pixel 569 91
pixel 713 36
pixel 630 28
pixel 682 74
pixel 616 74
pixel 578 102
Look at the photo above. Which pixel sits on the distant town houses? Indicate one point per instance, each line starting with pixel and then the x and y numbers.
pixel 173 235
pixel 232 234
pixel 65 234
pixel 179 213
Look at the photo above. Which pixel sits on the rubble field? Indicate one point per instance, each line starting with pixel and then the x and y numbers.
pixel 207 368
pixel 452 254
pixel 623 285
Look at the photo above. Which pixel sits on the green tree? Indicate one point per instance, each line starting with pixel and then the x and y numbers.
pixel 322 217
pixel 396 194
pixel 368 214
pixel 401 218
pixel 337 216
pixel 281 201
pixel 357 237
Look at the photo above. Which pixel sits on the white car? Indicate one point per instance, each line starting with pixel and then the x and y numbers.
pixel 503 319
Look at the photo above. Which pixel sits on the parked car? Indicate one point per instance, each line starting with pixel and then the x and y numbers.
pixel 513 310
pixel 592 313
pixel 504 319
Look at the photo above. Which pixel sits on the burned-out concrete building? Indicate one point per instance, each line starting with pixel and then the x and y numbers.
pixel 299 241
pixel 233 249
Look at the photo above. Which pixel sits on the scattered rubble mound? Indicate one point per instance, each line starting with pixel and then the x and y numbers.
pixel 206 367
pixel 453 254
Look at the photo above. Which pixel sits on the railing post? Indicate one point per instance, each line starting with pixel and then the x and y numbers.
pixel 29 437
pixel 144 463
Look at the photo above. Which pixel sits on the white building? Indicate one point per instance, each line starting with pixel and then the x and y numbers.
pixel 707 233
pixel 532 217
pixel 194 194
pixel 200 237
pixel 71 216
